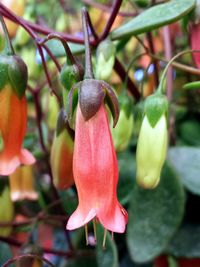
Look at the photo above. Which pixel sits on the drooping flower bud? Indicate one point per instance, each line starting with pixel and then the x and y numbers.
pixel 62 155
pixel 7 208
pixel 123 130
pixel 22 184
pixel 95 165
pixel 13 114
pixel 105 59
pixel 152 142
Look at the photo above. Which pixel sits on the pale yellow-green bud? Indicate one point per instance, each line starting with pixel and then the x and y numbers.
pixel 151 152
pixel 123 131
pixel 6 211
pixel 105 60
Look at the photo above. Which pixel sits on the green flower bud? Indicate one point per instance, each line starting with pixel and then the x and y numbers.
pixel 151 152
pixel 14 72
pixel 105 59
pixel 123 130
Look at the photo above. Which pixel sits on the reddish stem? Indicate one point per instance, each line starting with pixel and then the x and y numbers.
pixel 123 75
pixel 115 9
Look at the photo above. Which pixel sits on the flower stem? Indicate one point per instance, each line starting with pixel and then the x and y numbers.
pixel 88 62
pixel 161 85
pixel 8 50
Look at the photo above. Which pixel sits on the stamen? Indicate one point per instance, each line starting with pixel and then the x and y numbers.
pixel 104 239
pixel 95 229
pixel 112 235
pixel 86 235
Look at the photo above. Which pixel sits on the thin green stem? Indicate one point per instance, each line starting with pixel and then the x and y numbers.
pixel 161 85
pixel 88 62
pixel 8 50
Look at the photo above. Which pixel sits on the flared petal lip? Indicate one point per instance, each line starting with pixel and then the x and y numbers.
pixel 8 166
pixel 75 221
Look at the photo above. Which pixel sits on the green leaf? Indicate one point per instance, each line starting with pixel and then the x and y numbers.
pixel 186 242
pixel 5 253
pixel 190 132
pixel 192 86
pixel 107 257
pixel 154 216
pixel 58 50
pixel 127 167
pixel 154 18
pixel 98 257
pixel 185 161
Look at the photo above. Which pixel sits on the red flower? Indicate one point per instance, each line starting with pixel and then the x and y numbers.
pixel 96 174
pixel 13 115
pixel 195 43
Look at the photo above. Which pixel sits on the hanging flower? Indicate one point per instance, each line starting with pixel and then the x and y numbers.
pixel 22 184
pixel 96 174
pixel 13 114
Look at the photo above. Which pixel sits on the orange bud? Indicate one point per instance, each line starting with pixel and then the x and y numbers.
pixel 22 184
pixel 61 160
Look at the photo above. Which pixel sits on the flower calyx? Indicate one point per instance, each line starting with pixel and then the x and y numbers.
pixel 14 72
pixel 91 93
pixel 62 124
pixel 155 106
pixel 70 74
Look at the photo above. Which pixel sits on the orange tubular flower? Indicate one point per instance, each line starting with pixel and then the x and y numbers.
pixel 13 114
pixel 96 174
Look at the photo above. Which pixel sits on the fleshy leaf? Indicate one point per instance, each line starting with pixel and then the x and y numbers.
pixel 58 50
pixel 185 161
pixel 154 18
pixel 192 86
pixel 106 257
pixel 154 216
pixel 182 245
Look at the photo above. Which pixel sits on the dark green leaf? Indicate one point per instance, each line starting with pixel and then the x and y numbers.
pixel 58 50
pixel 154 18
pixel 106 257
pixel 186 242
pixel 5 253
pixel 127 167
pixel 186 160
pixel 154 216
pixel 190 132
